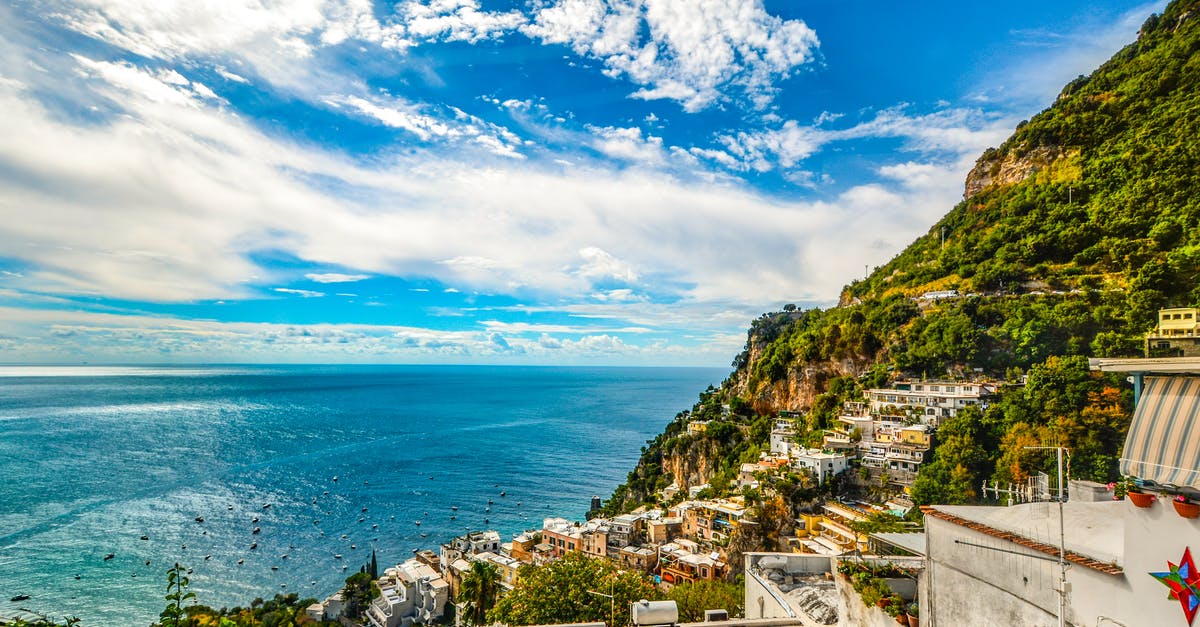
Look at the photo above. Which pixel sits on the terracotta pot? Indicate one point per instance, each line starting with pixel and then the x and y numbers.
pixel 913 621
pixel 1140 499
pixel 903 619
pixel 1187 510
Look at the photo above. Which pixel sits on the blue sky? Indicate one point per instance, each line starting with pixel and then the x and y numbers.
pixel 464 181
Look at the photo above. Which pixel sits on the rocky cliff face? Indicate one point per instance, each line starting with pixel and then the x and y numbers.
pixel 795 391
pixel 692 466
pixel 995 168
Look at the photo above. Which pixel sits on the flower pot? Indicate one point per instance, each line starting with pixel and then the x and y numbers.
pixel 1140 499
pixel 913 621
pixel 902 619
pixel 1185 509
pixel 882 603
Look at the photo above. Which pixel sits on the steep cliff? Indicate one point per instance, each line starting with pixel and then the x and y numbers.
pixel 1070 237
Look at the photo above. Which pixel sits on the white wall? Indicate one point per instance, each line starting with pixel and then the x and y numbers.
pixel 976 586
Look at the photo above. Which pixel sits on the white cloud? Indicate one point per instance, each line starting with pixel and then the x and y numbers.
pixel 628 144
pixel 455 20
pixel 598 264
pixel 955 132
pixel 335 277
pixel 173 198
pixel 303 293
pixel 54 335
pixel 691 51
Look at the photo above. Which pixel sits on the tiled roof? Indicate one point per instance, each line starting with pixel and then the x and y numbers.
pixel 1041 547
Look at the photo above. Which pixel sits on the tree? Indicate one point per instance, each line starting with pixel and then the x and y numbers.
pixel 177 595
pixel 695 597
pixel 572 590
pixel 479 589
pixel 358 592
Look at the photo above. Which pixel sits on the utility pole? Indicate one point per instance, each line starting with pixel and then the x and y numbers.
pixel 1062 538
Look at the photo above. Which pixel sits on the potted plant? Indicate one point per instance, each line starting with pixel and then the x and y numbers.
pixel 894 606
pixel 1185 508
pixel 1127 486
pixel 913 614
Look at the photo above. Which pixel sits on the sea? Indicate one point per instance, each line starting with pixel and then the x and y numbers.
pixel 110 475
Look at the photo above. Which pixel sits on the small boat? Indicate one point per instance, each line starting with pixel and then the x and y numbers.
pixel 253 545
pixel 374 526
pixel 418 523
pixel 366 483
pixel 454 507
pixel 283 557
pixel 337 556
pixel 19 598
pixel 489 501
pixel 325 493
pixel 343 567
pixel 199 519
pixel 274 568
pixel 360 519
pixel 452 517
pixel 256 530
pixel 145 537
pixel 109 556
pixel 266 506
pixel 208 557
pixel 343 536
pixel 354 546
pixel 364 509
pixel 183 547
pixel 424 535
pixel 335 477
pixel 502 493
pixel 76 576
pixel 254 520
pixel 230 508
pixel 485 521
pixel 241 561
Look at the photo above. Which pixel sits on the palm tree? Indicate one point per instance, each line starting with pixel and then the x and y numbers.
pixel 479 590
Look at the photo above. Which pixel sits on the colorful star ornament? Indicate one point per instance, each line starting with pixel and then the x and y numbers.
pixel 1184 582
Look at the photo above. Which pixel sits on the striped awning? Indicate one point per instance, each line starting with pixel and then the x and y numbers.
pixel 1163 444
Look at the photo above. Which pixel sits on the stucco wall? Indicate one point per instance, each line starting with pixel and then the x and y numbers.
pixel 978 586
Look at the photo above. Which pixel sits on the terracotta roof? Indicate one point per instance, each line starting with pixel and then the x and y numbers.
pixel 1041 547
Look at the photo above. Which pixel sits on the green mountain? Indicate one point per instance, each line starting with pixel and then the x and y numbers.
pixel 1070 237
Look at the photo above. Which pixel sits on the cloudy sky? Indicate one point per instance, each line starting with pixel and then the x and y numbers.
pixel 476 181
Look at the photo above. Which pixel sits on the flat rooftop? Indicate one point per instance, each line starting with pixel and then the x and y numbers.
pixel 1094 530
pixel 1149 365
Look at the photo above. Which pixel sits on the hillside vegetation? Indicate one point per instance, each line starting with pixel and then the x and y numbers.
pixel 1071 236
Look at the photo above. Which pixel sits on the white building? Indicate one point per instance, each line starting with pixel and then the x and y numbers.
pixel 410 593
pixel 783 437
pixel 821 465
pixel 930 401
pixel 1126 565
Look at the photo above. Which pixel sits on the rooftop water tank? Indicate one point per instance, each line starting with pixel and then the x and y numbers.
pixel 654 612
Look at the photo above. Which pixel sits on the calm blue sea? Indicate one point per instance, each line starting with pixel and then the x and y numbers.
pixel 92 459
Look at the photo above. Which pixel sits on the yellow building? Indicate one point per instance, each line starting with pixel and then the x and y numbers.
pixel 1177 333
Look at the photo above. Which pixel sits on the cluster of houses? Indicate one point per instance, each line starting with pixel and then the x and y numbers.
pixel 891 432
pixel 684 543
